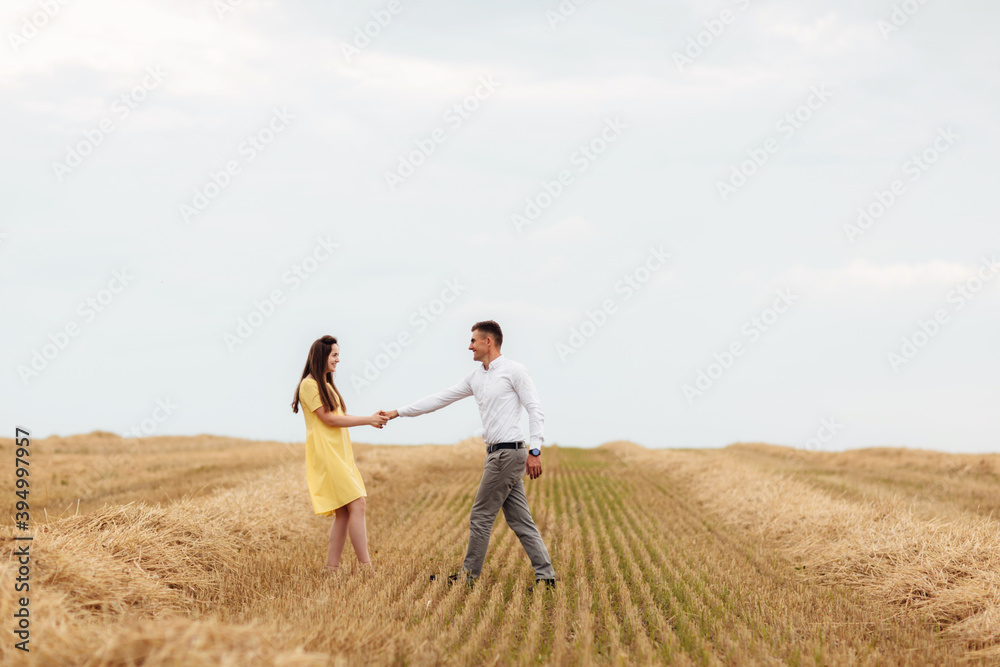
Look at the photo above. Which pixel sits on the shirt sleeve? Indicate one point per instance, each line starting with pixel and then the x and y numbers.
pixel 309 394
pixel 437 401
pixel 524 386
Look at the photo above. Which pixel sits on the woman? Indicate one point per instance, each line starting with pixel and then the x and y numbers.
pixel 335 484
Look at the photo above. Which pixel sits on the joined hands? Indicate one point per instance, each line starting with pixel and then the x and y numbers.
pixel 380 418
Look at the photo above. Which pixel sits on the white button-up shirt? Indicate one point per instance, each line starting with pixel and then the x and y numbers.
pixel 500 392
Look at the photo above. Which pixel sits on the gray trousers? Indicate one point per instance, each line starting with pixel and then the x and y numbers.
pixel 501 487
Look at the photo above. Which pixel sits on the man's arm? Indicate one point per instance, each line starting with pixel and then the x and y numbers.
pixel 524 387
pixel 433 402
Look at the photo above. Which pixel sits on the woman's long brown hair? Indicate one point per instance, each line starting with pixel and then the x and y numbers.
pixel 316 365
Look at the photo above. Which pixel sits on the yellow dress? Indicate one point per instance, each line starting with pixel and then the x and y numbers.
pixel 332 475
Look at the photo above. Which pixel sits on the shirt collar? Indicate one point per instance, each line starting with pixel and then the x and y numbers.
pixel 496 362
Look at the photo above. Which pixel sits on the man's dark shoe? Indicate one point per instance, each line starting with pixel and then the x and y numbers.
pixel 454 579
pixel 550 584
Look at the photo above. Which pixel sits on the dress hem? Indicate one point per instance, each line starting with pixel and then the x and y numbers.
pixel 334 510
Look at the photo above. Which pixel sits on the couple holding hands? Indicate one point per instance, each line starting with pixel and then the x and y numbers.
pixel 501 387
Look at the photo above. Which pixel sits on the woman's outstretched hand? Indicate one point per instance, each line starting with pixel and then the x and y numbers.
pixel 378 420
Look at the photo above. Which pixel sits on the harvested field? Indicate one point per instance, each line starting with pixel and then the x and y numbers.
pixel 205 551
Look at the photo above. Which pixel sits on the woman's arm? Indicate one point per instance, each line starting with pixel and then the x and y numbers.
pixel 344 421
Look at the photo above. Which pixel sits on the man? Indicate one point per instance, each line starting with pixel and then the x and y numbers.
pixel 501 388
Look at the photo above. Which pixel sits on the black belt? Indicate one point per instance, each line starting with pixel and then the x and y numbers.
pixel 505 445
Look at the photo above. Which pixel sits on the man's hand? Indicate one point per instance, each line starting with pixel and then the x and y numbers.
pixel 534 466
pixel 389 414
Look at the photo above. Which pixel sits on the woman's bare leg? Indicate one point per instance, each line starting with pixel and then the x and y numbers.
pixel 357 530
pixel 338 536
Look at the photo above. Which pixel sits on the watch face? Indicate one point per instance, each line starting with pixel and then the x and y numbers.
pixel 535 452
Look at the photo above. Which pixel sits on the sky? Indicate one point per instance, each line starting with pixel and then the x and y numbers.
pixel 698 223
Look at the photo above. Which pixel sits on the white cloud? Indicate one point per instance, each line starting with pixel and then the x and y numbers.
pixel 424 77
pixel 118 39
pixel 551 266
pixel 572 229
pixel 864 275
pixel 541 235
pixel 514 310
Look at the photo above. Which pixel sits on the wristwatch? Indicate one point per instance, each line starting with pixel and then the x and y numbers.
pixel 535 452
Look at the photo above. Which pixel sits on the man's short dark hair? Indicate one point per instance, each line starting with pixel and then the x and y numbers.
pixel 490 328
